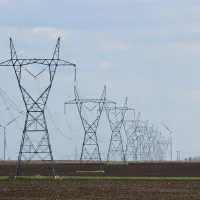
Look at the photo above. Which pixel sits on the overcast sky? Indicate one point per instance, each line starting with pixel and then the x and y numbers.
pixel 146 50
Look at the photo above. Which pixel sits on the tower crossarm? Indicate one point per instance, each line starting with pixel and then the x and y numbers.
pixel 52 62
pixel 89 101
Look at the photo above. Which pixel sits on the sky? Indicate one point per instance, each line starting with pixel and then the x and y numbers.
pixel 146 50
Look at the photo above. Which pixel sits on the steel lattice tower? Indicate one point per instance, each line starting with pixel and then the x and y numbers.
pixel 139 139
pixel 116 143
pixel 90 147
pixel 35 122
pixel 130 128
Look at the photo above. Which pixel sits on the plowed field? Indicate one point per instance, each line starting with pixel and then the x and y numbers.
pixel 170 169
pixel 99 189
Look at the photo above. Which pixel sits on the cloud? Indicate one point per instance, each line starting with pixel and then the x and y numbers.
pixel 3 1
pixel 173 50
pixel 191 95
pixel 106 65
pixel 51 33
pixel 45 33
pixel 116 47
pixel 147 1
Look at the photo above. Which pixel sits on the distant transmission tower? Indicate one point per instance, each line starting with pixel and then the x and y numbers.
pixel 140 140
pixel 35 123
pixel 130 128
pixel 90 147
pixel 151 146
pixel 116 117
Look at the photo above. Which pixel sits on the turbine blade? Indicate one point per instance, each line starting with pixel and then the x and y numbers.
pixel 177 130
pixel 165 127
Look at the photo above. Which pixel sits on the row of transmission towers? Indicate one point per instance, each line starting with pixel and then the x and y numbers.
pixel 143 142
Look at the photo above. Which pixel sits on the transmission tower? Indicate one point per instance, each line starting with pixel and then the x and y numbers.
pixel 35 122
pixel 150 149
pixel 90 147
pixel 116 117
pixel 130 128
pixel 139 140
pixel 146 145
pixel 161 147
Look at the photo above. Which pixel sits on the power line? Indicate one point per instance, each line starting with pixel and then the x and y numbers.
pixel 49 112
pixel 10 102
pixel 10 112
pixel 70 128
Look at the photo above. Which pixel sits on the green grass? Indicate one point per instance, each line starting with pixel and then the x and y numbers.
pixel 3 178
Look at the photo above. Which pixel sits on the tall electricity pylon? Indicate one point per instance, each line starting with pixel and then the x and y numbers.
pixel 35 122
pixel 130 128
pixel 116 118
pixel 140 140
pixel 90 147
pixel 151 146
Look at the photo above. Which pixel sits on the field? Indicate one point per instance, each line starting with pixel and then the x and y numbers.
pixel 100 189
pixel 64 168
pixel 169 181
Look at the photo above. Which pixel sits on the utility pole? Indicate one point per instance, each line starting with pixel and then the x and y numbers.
pixel 178 155
pixel 76 156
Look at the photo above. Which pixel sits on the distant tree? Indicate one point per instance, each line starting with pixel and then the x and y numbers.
pixel 195 158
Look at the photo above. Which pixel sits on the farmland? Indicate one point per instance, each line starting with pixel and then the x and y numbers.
pixel 143 169
pixel 170 180
pixel 100 189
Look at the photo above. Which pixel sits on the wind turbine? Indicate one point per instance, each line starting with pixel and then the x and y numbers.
pixel 5 127
pixel 170 135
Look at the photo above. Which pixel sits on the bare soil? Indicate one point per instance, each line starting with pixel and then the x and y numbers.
pixel 164 169
pixel 99 189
